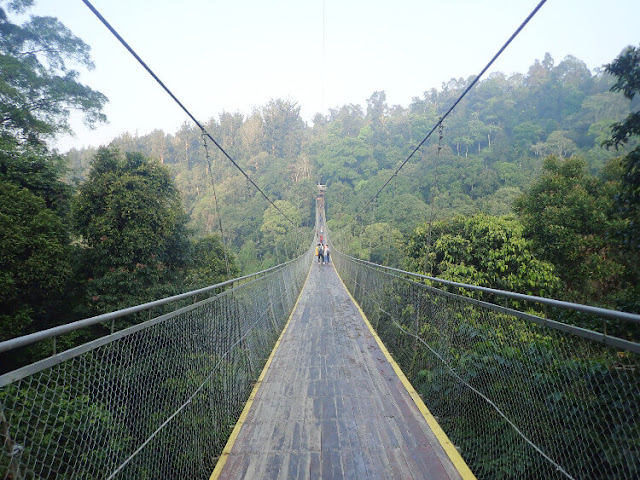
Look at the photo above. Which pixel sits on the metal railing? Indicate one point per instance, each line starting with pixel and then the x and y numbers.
pixel 155 400
pixel 521 394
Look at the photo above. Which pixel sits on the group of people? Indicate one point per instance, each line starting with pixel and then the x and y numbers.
pixel 322 252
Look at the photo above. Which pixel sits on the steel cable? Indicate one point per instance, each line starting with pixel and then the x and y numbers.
pixel 175 99
pixel 215 201
pixel 462 95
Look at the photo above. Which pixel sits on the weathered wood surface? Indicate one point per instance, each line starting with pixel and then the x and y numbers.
pixel 331 405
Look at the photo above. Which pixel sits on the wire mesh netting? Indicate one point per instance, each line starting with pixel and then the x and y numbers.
pixel 519 399
pixel 157 400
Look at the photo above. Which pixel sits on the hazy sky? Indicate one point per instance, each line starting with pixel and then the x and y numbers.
pixel 235 55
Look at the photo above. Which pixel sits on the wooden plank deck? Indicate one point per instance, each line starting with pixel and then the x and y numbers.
pixel 331 405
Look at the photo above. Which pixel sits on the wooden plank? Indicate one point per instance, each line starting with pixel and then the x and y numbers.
pixel 329 435
pixel 293 467
pixel 353 465
pixel 315 465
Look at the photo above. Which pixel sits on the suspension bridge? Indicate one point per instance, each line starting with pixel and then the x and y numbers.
pixel 345 370
pixel 331 404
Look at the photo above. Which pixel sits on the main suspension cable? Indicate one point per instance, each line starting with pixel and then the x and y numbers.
pixel 170 93
pixel 466 90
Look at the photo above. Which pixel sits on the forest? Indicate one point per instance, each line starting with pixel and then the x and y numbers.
pixel 523 160
pixel 526 187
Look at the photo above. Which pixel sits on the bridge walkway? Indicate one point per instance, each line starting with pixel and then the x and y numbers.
pixel 331 405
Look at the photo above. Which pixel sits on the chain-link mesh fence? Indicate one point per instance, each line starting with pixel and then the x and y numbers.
pixel 519 397
pixel 156 400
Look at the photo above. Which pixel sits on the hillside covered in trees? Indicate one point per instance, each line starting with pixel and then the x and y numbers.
pixel 493 145
pixel 492 150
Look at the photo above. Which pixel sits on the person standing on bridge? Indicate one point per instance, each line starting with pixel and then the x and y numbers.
pixel 326 253
pixel 319 252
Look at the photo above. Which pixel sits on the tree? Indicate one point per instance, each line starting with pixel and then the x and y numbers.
pixel 38 170
pixel 403 211
pixel 597 112
pixel 626 68
pixel 524 135
pixel 557 144
pixel 252 135
pixel 158 143
pixel 34 265
pixel 346 121
pixel 383 244
pixel 347 160
pixel 277 229
pixel 283 128
pixel 38 89
pixel 566 214
pixel 481 250
pixel 377 109
pixel 560 109
pixel 132 224
pixel 207 264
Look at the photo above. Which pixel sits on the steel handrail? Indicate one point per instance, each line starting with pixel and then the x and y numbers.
pixel 599 311
pixel 53 332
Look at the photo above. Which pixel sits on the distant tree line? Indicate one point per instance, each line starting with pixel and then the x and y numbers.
pixel 534 142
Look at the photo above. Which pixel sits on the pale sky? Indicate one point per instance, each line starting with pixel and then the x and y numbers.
pixel 236 55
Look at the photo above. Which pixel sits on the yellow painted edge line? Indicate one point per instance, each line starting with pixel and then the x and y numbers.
pixel 455 457
pixel 245 411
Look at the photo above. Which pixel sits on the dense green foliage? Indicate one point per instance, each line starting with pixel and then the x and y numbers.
pixel 627 70
pixel 276 229
pixel 207 264
pixel 493 146
pixel 38 88
pixel 118 241
pixel 482 250
pixel 570 397
pixel 129 214
pixel 568 214
pixel 491 152
pixel 34 264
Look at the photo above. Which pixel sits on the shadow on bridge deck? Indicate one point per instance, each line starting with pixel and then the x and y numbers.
pixel 331 405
